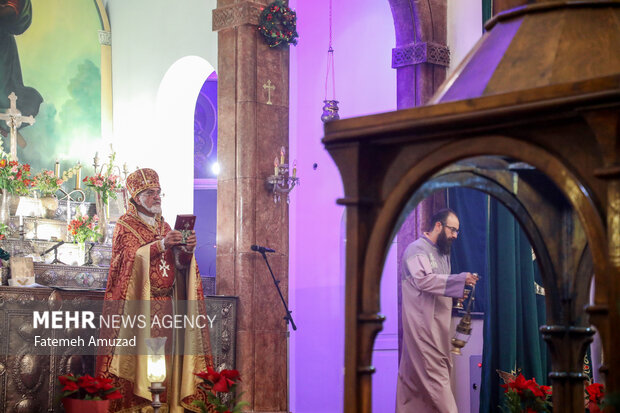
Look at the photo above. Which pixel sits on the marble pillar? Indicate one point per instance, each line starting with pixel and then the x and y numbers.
pixel 253 126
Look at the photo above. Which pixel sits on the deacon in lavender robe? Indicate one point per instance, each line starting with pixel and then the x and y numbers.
pixel 427 291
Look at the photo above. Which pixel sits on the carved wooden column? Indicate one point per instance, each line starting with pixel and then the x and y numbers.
pixel 605 313
pixel 253 125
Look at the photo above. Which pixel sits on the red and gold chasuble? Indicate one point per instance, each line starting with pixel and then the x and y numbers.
pixel 152 281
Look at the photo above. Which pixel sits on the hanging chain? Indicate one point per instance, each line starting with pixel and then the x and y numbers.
pixel 330 58
pixel 330 25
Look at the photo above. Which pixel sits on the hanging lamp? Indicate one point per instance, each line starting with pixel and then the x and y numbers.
pixel 330 106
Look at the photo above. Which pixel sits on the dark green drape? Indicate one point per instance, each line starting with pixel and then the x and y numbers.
pixel 487 11
pixel 515 312
pixel 469 252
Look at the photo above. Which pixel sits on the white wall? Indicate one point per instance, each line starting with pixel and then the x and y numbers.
pixel 148 38
pixel 464 28
pixel 365 83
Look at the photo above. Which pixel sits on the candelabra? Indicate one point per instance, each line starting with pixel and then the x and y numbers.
pixel 99 168
pixel 281 182
pixel 74 195
pixel 109 167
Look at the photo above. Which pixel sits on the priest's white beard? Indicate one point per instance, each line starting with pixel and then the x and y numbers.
pixel 154 209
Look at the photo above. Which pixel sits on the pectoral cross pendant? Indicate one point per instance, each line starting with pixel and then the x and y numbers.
pixel 164 267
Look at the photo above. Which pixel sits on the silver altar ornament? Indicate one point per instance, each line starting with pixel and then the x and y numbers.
pixel 330 111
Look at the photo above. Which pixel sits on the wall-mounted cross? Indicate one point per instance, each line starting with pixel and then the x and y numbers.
pixel 14 120
pixel 269 88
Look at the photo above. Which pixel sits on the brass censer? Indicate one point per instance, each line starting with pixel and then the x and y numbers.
pixel 463 329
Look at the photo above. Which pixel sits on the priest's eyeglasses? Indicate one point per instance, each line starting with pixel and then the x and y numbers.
pixel 452 229
pixel 153 193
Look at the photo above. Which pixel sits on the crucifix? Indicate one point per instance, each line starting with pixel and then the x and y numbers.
pixel 269 88
pixel 14 120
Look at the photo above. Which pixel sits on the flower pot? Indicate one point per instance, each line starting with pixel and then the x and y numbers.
pixel 50 205
pixel 81 406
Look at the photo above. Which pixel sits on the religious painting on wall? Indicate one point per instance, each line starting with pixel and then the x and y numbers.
pixel 50 57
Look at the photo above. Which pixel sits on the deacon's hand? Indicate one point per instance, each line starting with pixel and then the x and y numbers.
pixel 172 239
pixel 471 279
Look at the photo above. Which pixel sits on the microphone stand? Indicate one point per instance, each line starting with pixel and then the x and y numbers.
pixel 288 317
pixel 89 261
pixel 55 249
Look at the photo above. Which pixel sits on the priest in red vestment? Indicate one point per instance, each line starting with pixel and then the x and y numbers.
pixel 152 274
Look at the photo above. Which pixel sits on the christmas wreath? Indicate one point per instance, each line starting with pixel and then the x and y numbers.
pixel 278 24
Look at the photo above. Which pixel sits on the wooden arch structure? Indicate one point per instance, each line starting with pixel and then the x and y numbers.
pixel 567 127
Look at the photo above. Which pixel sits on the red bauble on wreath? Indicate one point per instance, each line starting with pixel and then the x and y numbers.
pixel 278 24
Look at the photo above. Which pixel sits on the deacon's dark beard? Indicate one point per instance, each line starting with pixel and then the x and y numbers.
pixel 443 243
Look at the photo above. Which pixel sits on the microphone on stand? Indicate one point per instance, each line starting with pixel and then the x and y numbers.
pixel 260 249
pixel 55 247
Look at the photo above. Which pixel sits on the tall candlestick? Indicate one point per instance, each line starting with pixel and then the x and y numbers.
pixel 57 169
pixel 96 161
pixel 282 155
pixel 294 168
pixel 78 176
pixel 275 166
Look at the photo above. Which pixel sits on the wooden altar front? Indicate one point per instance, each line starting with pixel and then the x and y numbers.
pixel 28 381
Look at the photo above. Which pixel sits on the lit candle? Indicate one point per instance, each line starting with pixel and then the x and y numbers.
pixel 282 155
pixel 78 176
pixel 57 169
pixel 275 166
pixel 294 168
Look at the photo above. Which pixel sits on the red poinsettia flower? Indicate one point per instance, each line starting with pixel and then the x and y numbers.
pixel 534 388
pixel 218 383
pixel 519 384
pixel 114 395
pixel 88 387
pixel 69 378
pixel 71 386
pixel 88 383
pixel 595 391
pixel 210 375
